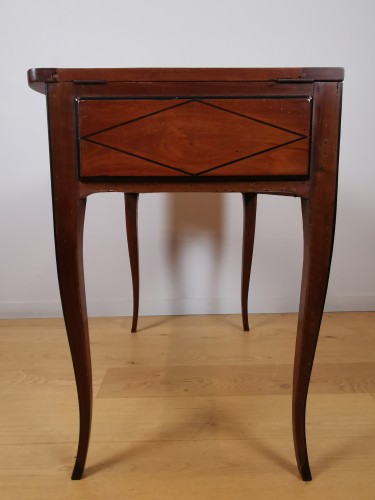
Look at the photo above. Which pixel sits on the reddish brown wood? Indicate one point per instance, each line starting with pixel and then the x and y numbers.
pixel 249 217
pixel 97 115
pixel 69 211
pixel 317 189
pixel 55 75
pixel 319 211
pixel 174 137
pixel 131 213
pixel 195 185
pixel 192 89
pixel 290 114
pixel 99 161
pixel 289 160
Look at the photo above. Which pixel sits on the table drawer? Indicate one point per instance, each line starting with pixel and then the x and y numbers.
pixel 178 137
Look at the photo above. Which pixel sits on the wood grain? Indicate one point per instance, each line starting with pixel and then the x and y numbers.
pixel 139 137
pixel 232 380
pixel 68 218
pixel 199 137
pixel 210 447
pixel 318 217
pixel 37 76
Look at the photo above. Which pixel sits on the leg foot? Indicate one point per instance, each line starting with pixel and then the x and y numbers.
pixel 77 471
pixel 305 472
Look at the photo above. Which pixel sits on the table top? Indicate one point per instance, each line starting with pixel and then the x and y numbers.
pixel 38 77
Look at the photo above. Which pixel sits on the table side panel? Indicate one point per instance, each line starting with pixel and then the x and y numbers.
pixel 218 136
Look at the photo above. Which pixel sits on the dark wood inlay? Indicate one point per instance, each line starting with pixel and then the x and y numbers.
pixel 194 137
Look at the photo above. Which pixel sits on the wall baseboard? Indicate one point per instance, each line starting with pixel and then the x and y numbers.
pixel 160 307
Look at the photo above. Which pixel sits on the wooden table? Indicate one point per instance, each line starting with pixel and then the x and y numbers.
pixel 270 131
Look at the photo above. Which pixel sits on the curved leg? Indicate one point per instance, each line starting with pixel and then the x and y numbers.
pixel 69 259
pixel 318 228
pixel 318 213
pixel 69 213
pixel 249 216
pixel 131 206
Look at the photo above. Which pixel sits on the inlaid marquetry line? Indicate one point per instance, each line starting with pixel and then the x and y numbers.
pixel 252 155
pixel 184 103
pixel 135 155
pixel 203 171
pixel 263 122
pixel 138 118
pixel 184 138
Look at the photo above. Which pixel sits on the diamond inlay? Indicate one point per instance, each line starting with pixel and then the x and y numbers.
pixel 198 137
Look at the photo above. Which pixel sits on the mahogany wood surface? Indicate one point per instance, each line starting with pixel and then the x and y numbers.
pixel 85 105
pixel 37 77
pixel 197 185
pixel 319 214
pixel 68 214
pixel 174 137
pixel 199 89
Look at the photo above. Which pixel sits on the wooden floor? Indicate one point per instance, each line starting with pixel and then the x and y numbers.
pixel 188 408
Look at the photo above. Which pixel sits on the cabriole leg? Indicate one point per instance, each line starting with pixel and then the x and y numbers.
pixel 249 216
pixel 131 209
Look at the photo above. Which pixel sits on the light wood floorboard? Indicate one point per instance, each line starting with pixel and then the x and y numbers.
pixel 188 408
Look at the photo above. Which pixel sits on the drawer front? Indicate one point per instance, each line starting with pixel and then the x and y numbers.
pixel 215 137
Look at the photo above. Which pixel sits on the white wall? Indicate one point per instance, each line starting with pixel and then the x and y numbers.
pixel 189 263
